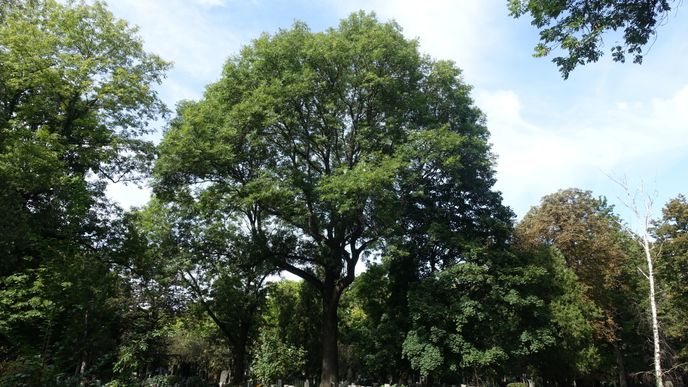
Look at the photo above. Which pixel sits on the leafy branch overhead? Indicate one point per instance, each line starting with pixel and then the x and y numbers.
pixel 578 28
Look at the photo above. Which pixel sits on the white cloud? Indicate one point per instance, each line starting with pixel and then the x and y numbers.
pixel 534 160
pixel 463 31
pixel 211 3
pixel 181 31
pixel 173 90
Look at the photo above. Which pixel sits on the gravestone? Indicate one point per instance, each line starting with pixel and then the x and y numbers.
pixel 224 378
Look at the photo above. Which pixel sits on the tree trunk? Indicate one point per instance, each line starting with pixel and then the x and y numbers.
pixel 653 304
pixel 329 334
pixel 620 365
pixel 238 365
pixel 239 353
pixel 429 380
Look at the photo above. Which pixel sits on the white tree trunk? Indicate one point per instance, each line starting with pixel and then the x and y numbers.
pixel 653 303
pixel 645 220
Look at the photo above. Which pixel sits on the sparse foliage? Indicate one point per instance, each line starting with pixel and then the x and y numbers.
pixel 578 28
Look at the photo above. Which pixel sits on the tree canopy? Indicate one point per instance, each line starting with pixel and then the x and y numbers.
pixel 671 232
pixel 317 143
pixel 604 257
pixel 76 94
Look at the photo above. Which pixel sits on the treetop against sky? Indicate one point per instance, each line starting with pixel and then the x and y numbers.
pixel 548 134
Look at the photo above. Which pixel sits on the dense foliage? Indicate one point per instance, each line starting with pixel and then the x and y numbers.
pixel 75 97
pixel 314 154
pixel 326 148
pixel 671 232
pixel 605 259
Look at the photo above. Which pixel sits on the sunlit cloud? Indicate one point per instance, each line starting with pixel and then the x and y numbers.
pixel 463 31
pixel 182 32
pixel 534 160
pixel 211 3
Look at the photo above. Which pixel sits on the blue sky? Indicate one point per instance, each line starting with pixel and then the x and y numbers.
pixel 547 133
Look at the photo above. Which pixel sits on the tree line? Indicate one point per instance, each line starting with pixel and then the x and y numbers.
pixel 315 154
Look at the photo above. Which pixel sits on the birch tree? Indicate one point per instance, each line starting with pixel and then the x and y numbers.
pixel 640 204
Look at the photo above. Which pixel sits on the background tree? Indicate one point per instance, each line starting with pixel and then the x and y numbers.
pixel 671 234
pixel 315 139
pixel 275 359
pixel 205 258
pixel 578 27
pixel 76 95
pixel 288 345
pixel 293 315
pixel 573 354
pixel 477 320
pixel 603 256
pixel 195 347
pixel 374 322
pixel 643 213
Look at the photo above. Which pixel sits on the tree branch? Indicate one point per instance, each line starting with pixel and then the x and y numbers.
pixel 301 273
pixel 191 281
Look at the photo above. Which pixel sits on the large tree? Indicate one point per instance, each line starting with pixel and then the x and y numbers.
pixel 318 142
pixel 578 27
pixel 76 94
